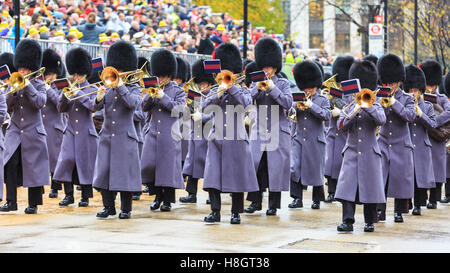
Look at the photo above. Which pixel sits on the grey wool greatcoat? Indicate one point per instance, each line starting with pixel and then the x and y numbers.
pixel 139 120
pixel 308 145
pixel 423 163
pixel 336 140
pixel 361 165
pixel 161 155
pixel 194 164
pixel 54 124
pixel 118 166
pixel 438 149
pixel 278 158
pixel 27 129
pixel 397 148
pixel 80 140
pixel 3 111
pixel 229 162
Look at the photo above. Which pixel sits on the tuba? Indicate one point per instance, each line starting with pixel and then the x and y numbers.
pixel 17 81
pixel 364 98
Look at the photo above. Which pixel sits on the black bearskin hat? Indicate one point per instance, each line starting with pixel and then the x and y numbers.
pixel 307 75
pixel 366 72
pixel 52 62
pixel 28 55
pixel 188 71
pixel 390 69
pixel 8 59
pixel 433 72
pixel 182 69
pixel 372 58
pixel 63 73
pixel 199 75
pixel 163 63
pixel 78 61
pixel 268 54
pixel 122 56
pixel 229 56
pixel 415 78
pixel 341 66
pixel 251 67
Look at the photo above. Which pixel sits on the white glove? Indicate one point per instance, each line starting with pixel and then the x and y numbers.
pixel 308 104
pixel 357 108
pixel 160 94
pixel 221 89
pixel 120 82
pixel 392 100
pixel 336 112
pixel 100 94
pixel 270 85
pixel 247 120
pixel 196 116
pixel 419 112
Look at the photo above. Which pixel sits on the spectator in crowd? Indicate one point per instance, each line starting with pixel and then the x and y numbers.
pixel 91 29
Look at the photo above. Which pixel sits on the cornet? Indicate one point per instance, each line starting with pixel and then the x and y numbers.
pixel 17 81
pixel 153 91
pixel 301 105
pixel 365 99
pixel 264 85
pixel 227 77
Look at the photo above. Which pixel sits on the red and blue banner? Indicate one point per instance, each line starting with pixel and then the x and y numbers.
pixel 384 92
pixel 193 94
pixel 337 93
pixel 258 76
pixel 4 72
pixel 97 64
pixel 350 86
pixel 299 96
pixel 430 98
pixel 150 82
pixel 212 66
pixel 61 83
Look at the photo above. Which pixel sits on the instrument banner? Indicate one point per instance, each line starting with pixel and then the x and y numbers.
pixel 258 76
pixel 384 92
pixel 61 83
pixel 4 72
pixel 351 86
pixel 193 94
pixel 150 82
pixel 430 98
pixel 299 96
pixel 97 64
pixel 337 93
pixel 212 66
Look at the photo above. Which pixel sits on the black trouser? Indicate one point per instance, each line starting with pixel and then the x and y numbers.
pixel 86 190
pixel 400 205
pixel 14 178
pixel 332 184
pixel 420 196
pixel 447 188
pixel 263 182
pixel 348 212
pixel 237 201
pixel 126 199
pixel 191 185
pixel 435 193
pixel 55 185
pixel 165 194
pixel 297 191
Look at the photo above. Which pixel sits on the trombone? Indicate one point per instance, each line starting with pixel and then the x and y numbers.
pixel 17 81
pixel 364 98
pixel 109 78
pixel 152 91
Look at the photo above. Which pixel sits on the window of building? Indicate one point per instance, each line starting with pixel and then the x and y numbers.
pixel 316 24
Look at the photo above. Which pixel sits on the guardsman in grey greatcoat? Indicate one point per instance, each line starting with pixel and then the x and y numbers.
pixel 194 165
pixel 433 75
pixel 76 160
pixel 161 155
pixel 308 144
pixel 394 138
pixel 117 167
pixel 271 150
pixel 446 198
pixel 54 122
pixel 26 161
pixel 423 163
pixel 361 177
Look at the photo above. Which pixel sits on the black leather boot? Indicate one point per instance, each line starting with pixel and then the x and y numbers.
pixel 31 210
pixel 398 218
pixel 190 198
pixel 345 227
pixel 53 194
pixel 296 203
pixel 432 205
pixel 166 206
pixel 125 215
pixel 136 196
pixel 84 202
pixel 368 227
pixel 107 211
pixel 235 219
pixel 445 200
pixel 66 201
pixel 254 206
pixel 156 204
pixel 271 212
pixel 9 206
pixel 416 211
pixel 330 198
pixel 381 215
pixel 315 205
pixel 214 216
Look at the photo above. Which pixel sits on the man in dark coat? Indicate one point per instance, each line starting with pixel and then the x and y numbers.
pixel 26 161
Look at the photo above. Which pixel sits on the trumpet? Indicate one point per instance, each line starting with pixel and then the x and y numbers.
pixel 17 81
pixel 227 77
pixel 365 99
pixel 386 102
pixel 153 91
pixel 264 85
pixel 302 104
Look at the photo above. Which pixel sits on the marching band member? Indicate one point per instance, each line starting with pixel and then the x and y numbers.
pixel 423 165
pixel 76 160
pixel 117 167
pixel 54 121
pixel 229 163
pixel 308 151
pixel 446 199
pixel 394 138
pixel 271 151
pixel 336 139
pixel 26 161
pixel 3 113
pixel 194 165
pixel 161 155
pixel 142 127
pixel 433 75
pixel 361 177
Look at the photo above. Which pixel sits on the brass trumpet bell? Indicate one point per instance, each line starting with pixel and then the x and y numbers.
pixel 17 80
pixel 263 85
pixel 364 98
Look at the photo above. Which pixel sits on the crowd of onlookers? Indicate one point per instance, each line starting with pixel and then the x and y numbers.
pixel 146 23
